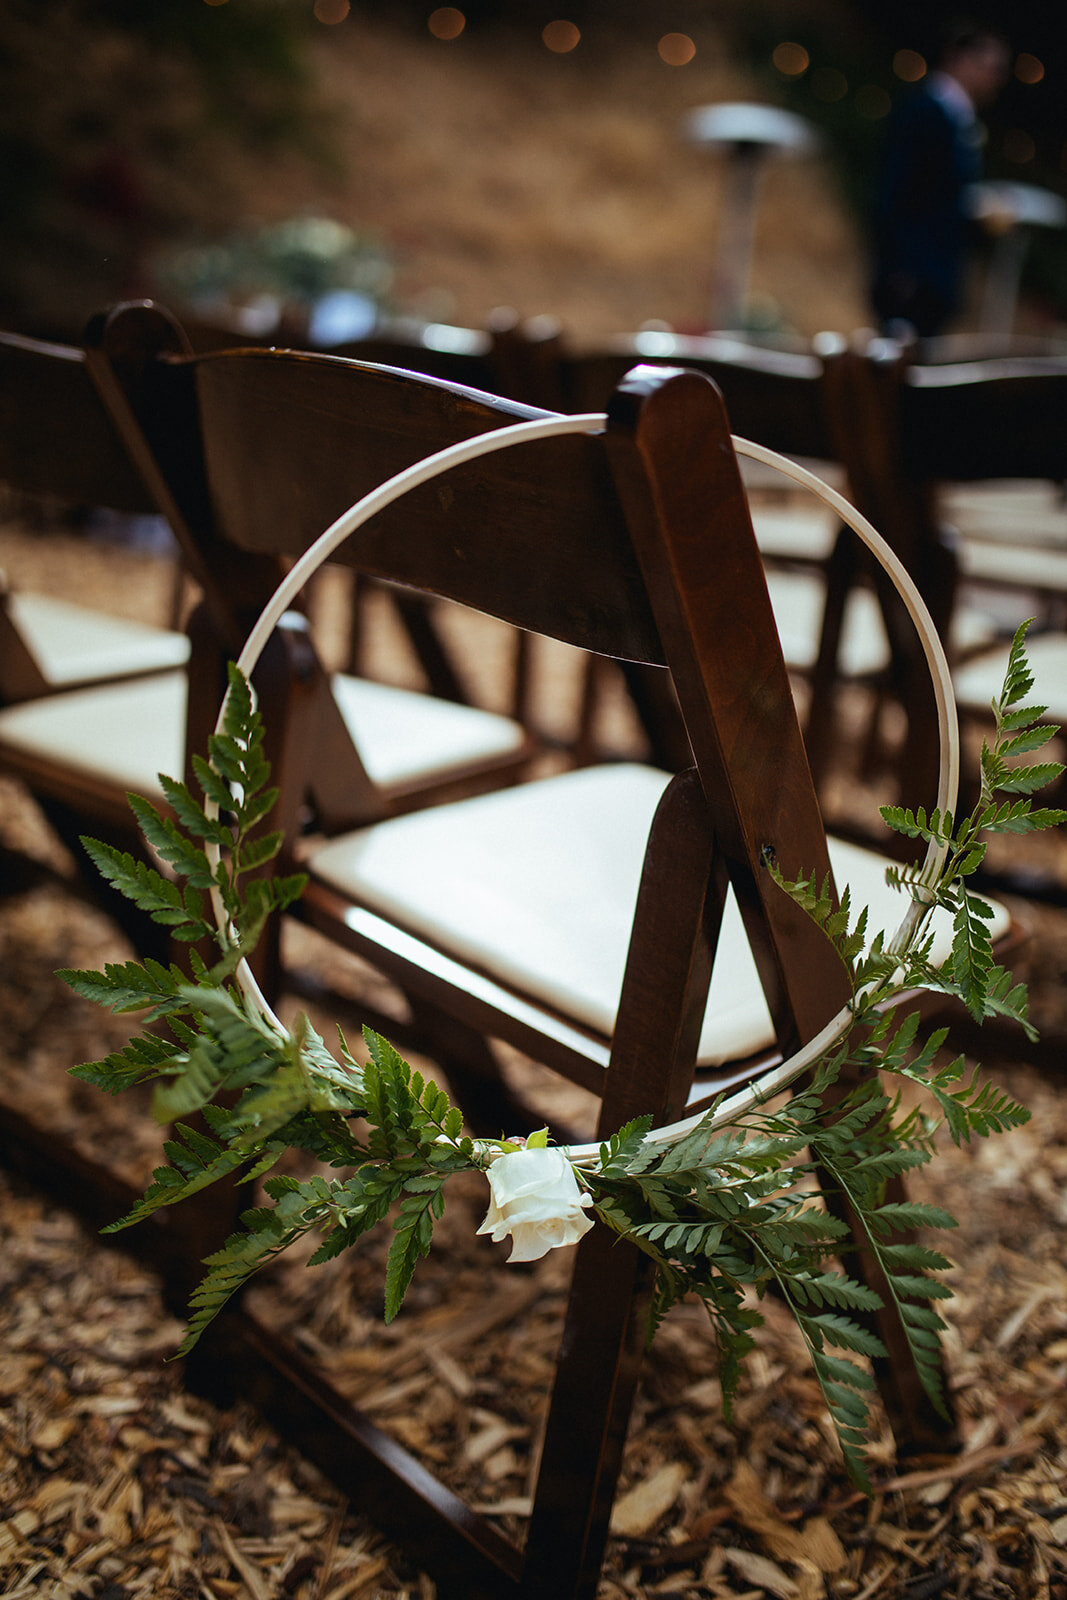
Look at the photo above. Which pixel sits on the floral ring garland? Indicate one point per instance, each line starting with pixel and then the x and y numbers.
pixel 726 1203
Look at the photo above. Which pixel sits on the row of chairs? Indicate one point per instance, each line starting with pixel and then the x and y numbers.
pixel 613 922
pixel 896 425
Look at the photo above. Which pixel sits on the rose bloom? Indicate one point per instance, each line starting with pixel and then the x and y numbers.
pixel 535 1198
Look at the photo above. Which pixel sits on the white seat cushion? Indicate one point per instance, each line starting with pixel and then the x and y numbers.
pixel 798 599
pixel 72 644
pixel 403 736
pixel 804 531
pixel 125 733
pixel 1026 511
pixel 978 681
pixel 1016 566
pixel 536 886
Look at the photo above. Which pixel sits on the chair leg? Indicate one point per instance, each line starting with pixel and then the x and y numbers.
pixel 652 693
pixel 596 1378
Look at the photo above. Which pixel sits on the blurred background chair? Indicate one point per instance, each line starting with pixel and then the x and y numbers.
pixel 909 436
pixel 79 750
pixel 832 629
pixel 56 441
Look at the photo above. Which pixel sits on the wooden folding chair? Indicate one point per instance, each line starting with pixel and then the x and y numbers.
pixel 903 430
pixel 72 679
pixel 581 918
pixel 201 428
pixel 56 440
pixel 88 701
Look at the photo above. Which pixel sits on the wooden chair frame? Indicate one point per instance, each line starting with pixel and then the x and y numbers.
pixel 665 571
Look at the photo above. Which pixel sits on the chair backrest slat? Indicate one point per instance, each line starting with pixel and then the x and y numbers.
pixel 55 436
pixel 348 426
pixel 981 420
pixel 773 396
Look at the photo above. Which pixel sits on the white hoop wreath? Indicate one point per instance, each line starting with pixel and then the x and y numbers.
pixel 714 1198
pixel 442 461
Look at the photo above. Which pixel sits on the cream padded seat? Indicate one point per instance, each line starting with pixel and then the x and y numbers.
pixel 1028 512
pixel 123 733
pixel 128 732
pixel 798 599
pixel 536 887
pixel 801 531
pixel 72 644
pixel 1016 566
pixel 402 736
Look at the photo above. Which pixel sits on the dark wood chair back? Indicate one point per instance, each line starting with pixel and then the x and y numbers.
pixel 56 438
pixel 56 441
pixel 252 452
pixel 901 428
pixel 773 396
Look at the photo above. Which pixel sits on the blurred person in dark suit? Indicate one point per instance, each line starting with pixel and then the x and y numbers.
pixel 933 150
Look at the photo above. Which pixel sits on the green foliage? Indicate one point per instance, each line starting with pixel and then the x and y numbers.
pixel 772 1200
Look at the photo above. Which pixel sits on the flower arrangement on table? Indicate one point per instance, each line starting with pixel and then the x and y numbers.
pixel 726 1205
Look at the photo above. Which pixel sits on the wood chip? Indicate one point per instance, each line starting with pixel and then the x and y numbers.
pixel 759 1570
pixel 637 1512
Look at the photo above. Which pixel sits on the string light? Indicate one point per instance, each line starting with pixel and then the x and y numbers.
pixel 676 49
pixel 909 65
pixel 790 58
pixel 560 37
pixel 214 2
pixel 1028 69
pixel 331 11
pixel 446 22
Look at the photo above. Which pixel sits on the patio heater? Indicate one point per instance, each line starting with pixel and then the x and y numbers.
pixel 749 136
pixel 1009 211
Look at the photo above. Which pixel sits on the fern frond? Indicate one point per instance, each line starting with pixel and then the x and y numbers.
pixel 411 1241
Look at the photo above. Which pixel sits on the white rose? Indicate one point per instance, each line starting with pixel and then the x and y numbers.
pixel 535 1198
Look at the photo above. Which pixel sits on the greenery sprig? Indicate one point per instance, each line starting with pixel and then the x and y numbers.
pixel 724 1212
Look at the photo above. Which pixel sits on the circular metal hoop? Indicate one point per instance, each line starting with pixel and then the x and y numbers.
pixel 551 427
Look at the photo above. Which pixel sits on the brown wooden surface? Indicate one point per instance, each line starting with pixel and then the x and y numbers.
pixel 351 427
pixel 705 578
pixel 772 396
pixel 252 453
pixel 55 436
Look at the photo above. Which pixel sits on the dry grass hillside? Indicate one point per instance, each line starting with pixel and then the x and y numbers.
pixel 502 174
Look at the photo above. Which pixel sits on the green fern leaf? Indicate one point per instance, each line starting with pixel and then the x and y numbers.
pixel 411 1241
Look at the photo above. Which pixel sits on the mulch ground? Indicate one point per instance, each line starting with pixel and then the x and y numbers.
pixel 115 1482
